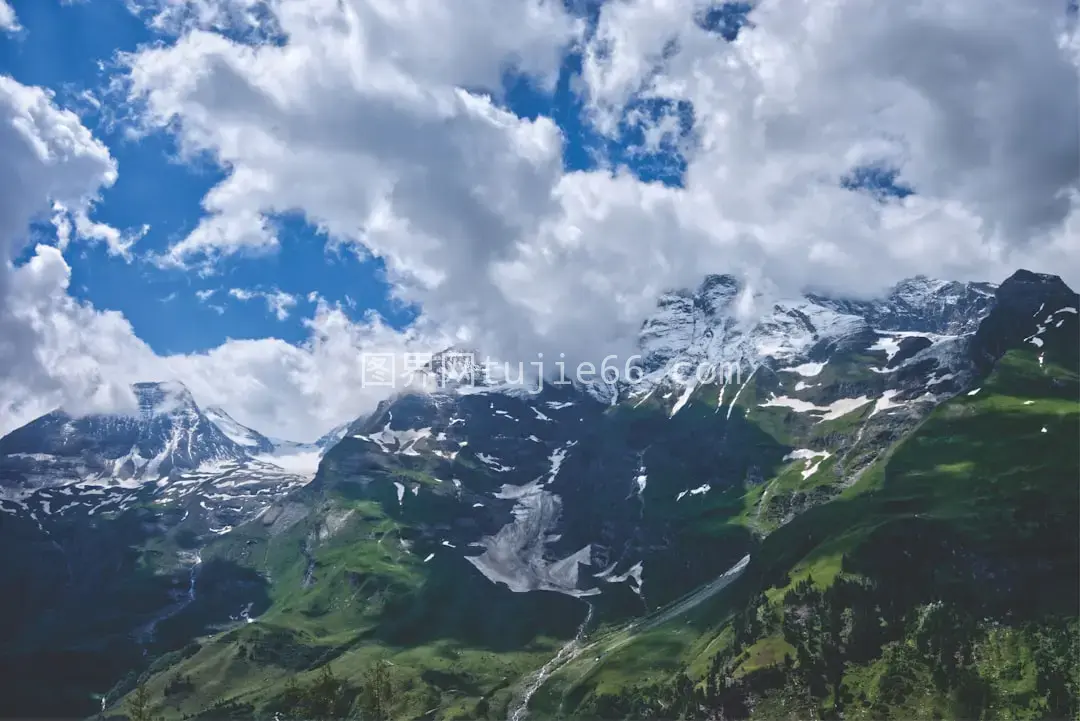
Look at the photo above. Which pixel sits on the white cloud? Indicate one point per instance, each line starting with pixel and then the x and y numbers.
pixel 974 102
pixel 357 119
pixel 365 116
pixel 8 21
pixel 63 352
pixel 56 351
pixel 50 158
pixel 118 243
pixel 90 356
pixel 297 392
pixel 277 302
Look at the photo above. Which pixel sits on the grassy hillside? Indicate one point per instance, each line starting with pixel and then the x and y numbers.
pixel 942 584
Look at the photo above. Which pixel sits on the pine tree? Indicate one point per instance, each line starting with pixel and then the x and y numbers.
pixel 378 692
pixel 138 706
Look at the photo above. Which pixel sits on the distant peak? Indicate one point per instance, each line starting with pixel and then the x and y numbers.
pixel 1027 276
pixel 714 280
pixel 173 387
pixel 162 397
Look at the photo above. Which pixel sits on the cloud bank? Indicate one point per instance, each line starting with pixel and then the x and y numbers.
pixel 382 124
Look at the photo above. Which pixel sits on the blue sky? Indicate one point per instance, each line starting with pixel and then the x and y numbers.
pixel 71 47
pixel 62 47
pixel 627 148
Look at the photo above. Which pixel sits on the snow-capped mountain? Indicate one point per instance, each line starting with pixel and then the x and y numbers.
pixel 296 457
pixel 167 451
pixel 249 439
pixel 257 444
pixel 559 491
pixel 924 305
pixel 167 434
pixel 705 337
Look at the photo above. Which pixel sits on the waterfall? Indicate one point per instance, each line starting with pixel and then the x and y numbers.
pixel 571 649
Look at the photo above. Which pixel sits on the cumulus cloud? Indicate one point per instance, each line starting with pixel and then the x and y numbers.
pixel 78 223
pixel 8 21
pixel 299 391
pixel 56 351
pixel 975 104
pixel 368 118
pixel 91 356
pixel 380 122
pixel 50 158
pixel 277 302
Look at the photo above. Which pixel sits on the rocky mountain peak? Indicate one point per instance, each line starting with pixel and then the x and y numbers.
pixel 168 432
pixel 1030 307
pixel 163 397
pixel 1035 285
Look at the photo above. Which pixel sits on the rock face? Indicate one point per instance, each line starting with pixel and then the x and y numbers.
pixel 1032 308
pixel 925 305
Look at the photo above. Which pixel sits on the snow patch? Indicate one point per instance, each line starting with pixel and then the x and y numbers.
pixel 812 458
pixel 836 409
pixel 889 343
pixel 556 460
pixel 397 442
pixel 683 399
pixel 641 481
pixel 304 464
pixel 493 463
pixel 540 416
pixel 739 393
pixel 699 491
pixel 806 370
pixel 634 573
pixel 885 402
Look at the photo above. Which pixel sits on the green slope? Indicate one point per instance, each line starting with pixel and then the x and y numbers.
pixel 942 584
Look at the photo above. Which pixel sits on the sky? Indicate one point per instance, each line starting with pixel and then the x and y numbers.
pixel 246 195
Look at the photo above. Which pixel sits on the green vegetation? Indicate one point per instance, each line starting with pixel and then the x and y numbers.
pixel 943 584
pixel 925 569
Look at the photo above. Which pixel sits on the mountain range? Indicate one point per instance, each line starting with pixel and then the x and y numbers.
pixel 867 509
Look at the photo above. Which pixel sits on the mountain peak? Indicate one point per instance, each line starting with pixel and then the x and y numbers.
pixel 1026 277
pixel 157 398
pixel 1025 304
pixel 714 280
